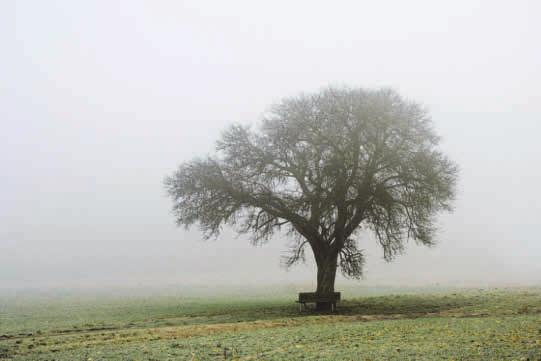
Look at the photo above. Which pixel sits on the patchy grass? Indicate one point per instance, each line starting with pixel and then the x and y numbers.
pixel 465 325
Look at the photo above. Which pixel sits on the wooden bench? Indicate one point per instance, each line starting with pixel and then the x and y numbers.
pixel 312 297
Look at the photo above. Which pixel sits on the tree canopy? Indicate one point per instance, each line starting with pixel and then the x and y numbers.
pixel 321 167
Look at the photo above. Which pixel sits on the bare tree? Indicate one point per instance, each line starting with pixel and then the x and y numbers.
pixel 322 167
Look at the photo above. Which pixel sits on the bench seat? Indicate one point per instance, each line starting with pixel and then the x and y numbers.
pixel 313 297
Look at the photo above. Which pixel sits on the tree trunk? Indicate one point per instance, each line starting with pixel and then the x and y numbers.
pixel 326 275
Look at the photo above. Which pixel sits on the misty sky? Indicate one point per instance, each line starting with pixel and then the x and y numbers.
pixel 99 100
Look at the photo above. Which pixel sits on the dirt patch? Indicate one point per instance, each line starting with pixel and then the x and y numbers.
pixel 87 338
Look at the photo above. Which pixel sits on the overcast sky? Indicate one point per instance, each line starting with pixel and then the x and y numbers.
pixel 99 100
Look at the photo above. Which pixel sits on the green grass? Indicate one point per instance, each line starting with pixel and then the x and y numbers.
pixel 451 325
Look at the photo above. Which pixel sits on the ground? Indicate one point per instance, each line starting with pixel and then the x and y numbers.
pixel 397 324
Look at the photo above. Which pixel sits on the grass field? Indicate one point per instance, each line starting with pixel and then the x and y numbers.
pixel 473 324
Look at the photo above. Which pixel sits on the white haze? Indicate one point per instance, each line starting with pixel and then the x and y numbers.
pixel 99 100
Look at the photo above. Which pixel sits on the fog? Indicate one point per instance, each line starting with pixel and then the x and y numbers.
pixel 100 100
